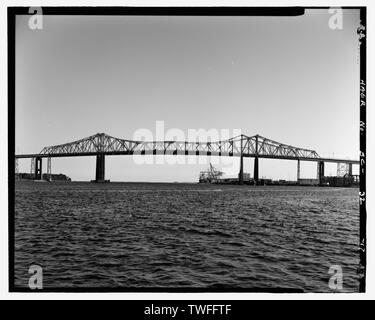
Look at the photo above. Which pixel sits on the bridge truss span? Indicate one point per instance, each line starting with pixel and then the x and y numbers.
pixel 242 145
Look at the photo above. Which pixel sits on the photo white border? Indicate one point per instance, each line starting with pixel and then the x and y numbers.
pixel 4 293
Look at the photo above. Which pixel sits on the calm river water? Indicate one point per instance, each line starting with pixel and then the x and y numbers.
pixel 185 235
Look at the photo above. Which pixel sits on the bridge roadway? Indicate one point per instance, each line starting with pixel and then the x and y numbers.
pixel 191 153
pixel 257 147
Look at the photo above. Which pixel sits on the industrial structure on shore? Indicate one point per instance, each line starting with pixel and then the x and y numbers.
pixel 101 145
pixel 45 176
pixel 214 176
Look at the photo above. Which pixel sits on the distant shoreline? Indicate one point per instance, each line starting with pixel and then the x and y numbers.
pixel 187 183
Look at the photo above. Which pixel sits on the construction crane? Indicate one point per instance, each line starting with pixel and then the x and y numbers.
pixel 210 176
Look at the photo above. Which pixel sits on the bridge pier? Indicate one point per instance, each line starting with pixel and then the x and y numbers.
pixel 240 174
pixel 16 166
pixel 38 169
pixel 320 172
pixel 49 171
pixel 32 166
pixel 256 170
pixel 298 171
pixel 350 169
pixel 100 168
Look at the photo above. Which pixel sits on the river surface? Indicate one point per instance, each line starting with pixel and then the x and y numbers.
pixel 146 235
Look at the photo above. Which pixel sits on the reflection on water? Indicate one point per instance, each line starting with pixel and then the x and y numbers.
pixel 185 235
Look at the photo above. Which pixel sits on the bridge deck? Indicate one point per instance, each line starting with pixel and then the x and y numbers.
pixel 191 153
pixel 249 147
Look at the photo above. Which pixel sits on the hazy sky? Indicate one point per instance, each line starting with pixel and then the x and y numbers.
pixel 291 79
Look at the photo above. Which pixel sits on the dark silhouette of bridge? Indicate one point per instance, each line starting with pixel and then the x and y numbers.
pixel 101 145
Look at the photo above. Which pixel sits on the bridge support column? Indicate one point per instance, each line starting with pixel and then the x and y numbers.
pixel 240 174
pixel 16 167
pixel 38 169
pixel 350 169
pixel 32 166
pixel 320 174
pixel 256 170
pixel 100 168
pixel 49 173
pixel 298 171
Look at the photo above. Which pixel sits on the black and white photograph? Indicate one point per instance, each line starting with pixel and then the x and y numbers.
pixel 187 149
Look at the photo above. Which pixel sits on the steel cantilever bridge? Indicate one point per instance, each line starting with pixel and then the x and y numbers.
pixel 242 146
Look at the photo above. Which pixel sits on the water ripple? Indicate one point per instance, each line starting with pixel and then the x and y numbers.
pixel 185 235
